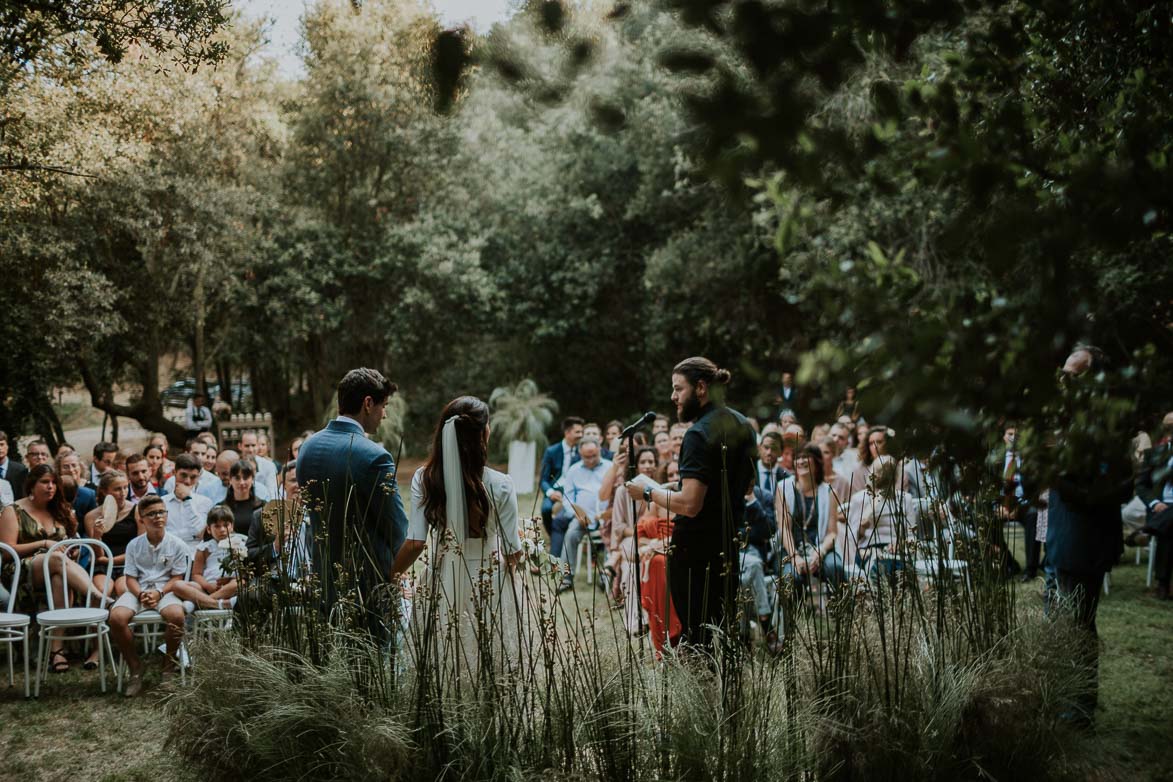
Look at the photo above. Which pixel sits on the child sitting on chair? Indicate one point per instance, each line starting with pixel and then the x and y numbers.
pixel 212 584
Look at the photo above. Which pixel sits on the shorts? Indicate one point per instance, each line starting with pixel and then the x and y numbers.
pixel 130 601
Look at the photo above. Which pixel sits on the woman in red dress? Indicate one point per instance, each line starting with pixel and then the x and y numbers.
pixel 655 533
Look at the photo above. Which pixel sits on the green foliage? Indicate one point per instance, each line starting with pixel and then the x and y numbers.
pixel 522 413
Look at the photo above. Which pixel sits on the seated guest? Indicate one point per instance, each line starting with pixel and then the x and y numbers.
pixel 156 458
pixel 37 452
pixel 11 470
pixel 873 444
pixel 278 538
pixel 819 432
pixel 654 534
pixel 211 455
pixel 555 463
pixel 86 498
pixel 662 442
pixel 115 524
pixel 7 495
pixel 881 519
pixel 266 471
pixel 595 432
pixel 242 500
pixel 580 505
pixel 105 455
pixel 1154 487
pixel 156 562
pixel 770 473
pixel 198 448
pixel 159 440
pixel 756 535
pixel 63 449
pixel 138 475
pixel 31 526
pixel 213 584
pixel 670 475
pixel 661 424
pixel 840 484
pixel 846 457
pixel 808 521
pixel 187 512
pixel 612 434
pixel 787 418
pixel 676 434
pixel 621 543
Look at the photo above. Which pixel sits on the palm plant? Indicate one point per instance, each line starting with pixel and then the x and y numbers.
pixel 521 413
pixel 520 417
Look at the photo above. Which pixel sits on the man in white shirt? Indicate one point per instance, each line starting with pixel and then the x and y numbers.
pixel 580 488
pixel 187 511
pixel 197 448
pixel 155 563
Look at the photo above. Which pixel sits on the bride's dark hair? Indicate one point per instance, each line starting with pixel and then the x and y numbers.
pixel 473 417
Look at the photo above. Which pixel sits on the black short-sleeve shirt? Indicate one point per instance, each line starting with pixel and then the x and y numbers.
pixel 719 450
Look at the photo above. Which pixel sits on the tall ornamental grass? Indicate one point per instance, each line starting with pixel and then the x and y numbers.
pixel 907 676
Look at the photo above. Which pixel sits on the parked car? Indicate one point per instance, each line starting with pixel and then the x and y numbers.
pixel 177 394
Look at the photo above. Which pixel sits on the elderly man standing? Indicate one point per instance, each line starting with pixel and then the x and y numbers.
pixel 1085 532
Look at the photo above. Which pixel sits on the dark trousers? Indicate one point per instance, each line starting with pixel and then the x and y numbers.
pixel 1029 519
pixel 548 515
pixel 558 529
pixel 1080 595
pixel 700 582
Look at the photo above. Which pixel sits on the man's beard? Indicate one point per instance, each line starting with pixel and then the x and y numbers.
pixel 689 409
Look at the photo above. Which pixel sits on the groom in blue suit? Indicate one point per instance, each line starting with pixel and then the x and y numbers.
pixel 348 482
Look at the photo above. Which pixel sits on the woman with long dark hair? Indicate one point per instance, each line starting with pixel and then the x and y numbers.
pixel 32 525
pixel 469 603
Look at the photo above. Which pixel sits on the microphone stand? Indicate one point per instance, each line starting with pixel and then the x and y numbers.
pixel 639 602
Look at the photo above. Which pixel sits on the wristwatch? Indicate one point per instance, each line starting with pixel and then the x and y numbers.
pixel 647 494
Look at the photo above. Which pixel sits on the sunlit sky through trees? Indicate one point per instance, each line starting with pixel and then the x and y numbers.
pixel 479 14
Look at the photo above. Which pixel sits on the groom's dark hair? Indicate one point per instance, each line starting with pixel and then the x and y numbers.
pixel 358 384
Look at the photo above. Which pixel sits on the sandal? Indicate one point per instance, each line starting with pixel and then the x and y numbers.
pixel 90 665
pixel 58 665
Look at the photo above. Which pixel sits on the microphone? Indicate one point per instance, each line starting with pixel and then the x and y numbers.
pixel 644 420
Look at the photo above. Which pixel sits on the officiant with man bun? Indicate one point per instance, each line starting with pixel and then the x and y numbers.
pixel 348 484
pixel 717 467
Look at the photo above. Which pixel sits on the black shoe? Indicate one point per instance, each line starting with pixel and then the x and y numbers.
pixel 567 585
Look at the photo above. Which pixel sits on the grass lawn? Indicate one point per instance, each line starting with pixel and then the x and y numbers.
pixel 73 730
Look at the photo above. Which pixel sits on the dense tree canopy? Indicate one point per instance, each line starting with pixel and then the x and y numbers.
pixel 935 200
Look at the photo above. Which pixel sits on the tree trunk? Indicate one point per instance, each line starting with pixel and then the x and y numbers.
pixel 224 376
pixel 197 352
pixel 148 411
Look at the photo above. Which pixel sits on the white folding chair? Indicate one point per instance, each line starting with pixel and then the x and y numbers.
pixel 14 627
pixel 151 627
pixel 74 624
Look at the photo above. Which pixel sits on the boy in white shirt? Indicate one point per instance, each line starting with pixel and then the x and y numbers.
pixel 155 563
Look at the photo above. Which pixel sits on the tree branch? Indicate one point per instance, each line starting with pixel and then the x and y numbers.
pixel 50 169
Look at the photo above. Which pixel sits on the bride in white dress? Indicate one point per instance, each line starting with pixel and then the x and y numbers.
pixel 468 605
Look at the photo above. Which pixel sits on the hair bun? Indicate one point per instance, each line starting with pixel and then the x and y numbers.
pixel 722 376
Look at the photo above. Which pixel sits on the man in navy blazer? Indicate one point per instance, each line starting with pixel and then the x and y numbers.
pixel 555 461
pixel 348 483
